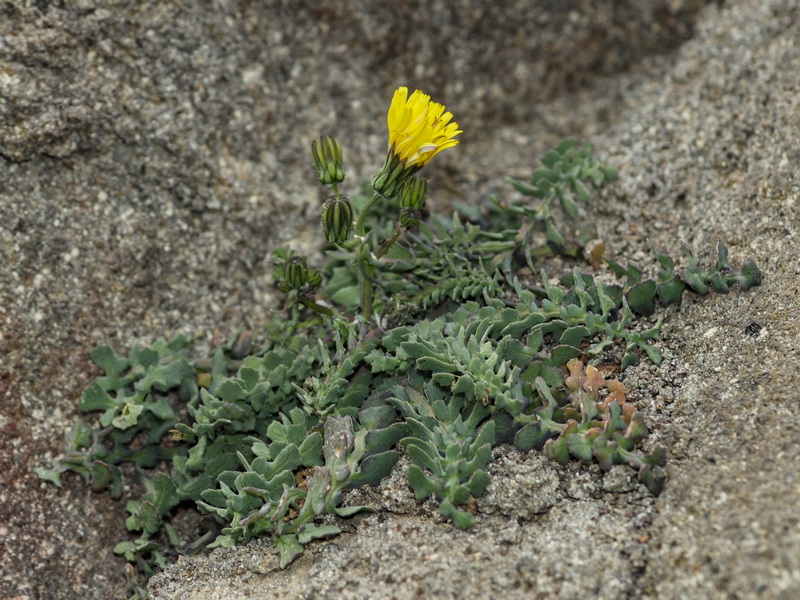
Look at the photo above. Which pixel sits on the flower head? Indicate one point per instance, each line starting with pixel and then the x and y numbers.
pixel 418 130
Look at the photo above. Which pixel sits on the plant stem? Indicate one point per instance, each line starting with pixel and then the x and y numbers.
pixel 323 310
pixel 362 217
pixel 388 243
pixel 364 272
pixel 364 268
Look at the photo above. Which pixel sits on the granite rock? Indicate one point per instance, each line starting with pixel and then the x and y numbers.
pixel 153 154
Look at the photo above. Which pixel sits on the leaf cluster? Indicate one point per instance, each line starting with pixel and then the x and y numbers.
pixel 569 171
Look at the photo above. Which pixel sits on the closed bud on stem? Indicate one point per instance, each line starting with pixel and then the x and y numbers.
pixel 409 217
pixel 296 272
pixel 388 181
pixel 314 278
pixel 413 193
pixel 327 154
pixel 337 218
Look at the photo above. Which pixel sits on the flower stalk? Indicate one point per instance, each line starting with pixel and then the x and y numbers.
pixel 418 130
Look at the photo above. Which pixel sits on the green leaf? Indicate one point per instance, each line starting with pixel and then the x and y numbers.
pixel 478 483
pixel 288 547
pixel 96 398
pixel 231 390
pixel 165 493
pixel 581 190
pixel 719 283
pixel 653 353
pixel 671 291
pixel 101 475
pixel 311 450
pixel 161 409
pixel 749 276
pixel 580 446
pixel 551 375
pixel 128 417
pixel 570 207
pixel 654 483
pixel 460 518
pixel 420 483
pixel 641 297
pixel 195 486
pixel 381 440
pixel 552 233
pixel 374 468
pixel 376 417
pixel 565 146
pixel 531 437
pixel 349 511
pixel 163 377
pixel 526 189
pixel 52 475
pixel 573 336
pixel 561 355
pixel 146 518
pixel 628 360
pixel 105 358
pixel 552 157
pixel 288 459
pixel 315 532
pixel 693 277
pixel 516 329
pixel 558 449
pixel 343 289
pixel 422 453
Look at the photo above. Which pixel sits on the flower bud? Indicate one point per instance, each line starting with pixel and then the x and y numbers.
pixel 327 154
pixel 388 181
pixel 314 278
pixel 337 218
pixel 296 272
pixel 409 217
pixel 413 193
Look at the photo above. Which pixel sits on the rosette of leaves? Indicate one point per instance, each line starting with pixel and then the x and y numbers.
pixel 450 444
pixel 300 475
pixel 583 425
pixel 462 358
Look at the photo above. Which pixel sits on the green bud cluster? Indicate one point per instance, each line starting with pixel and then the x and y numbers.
pixel 327 154
pixel 298 276
pixel 337 218
pixel 413 193
pixel 296 272
pixel 409 217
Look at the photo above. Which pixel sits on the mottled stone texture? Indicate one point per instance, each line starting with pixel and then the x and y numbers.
pixel 152 154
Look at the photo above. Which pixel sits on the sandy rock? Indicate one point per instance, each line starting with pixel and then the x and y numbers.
pixel 152 154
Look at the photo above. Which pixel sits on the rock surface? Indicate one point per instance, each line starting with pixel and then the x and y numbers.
pixel 152 155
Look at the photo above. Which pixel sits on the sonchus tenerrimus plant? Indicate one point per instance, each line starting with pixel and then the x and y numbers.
pixel 437 338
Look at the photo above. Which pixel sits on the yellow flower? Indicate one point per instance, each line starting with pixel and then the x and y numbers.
pixel 418 130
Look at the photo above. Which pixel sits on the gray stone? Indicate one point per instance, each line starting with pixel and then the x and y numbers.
pixel 153 154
